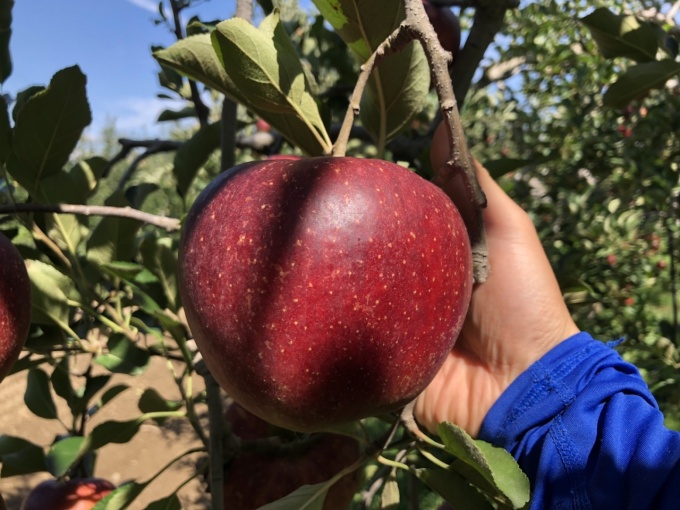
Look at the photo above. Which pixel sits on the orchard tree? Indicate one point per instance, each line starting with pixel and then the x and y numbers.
pixel 572 107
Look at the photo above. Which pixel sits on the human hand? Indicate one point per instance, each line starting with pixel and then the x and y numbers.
pixel 515 317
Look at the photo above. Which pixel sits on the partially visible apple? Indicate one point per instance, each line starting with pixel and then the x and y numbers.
pixel 324 290
pixel 15 305
pixel 262 126
pixel 280 157
pixel 447 26
pixel 74 494
pixel 252 480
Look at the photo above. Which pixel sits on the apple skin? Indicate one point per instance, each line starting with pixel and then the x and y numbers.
pixel 447 26
pixel 15 305
pixel 324 290
pixel 74 494
pixel 252 480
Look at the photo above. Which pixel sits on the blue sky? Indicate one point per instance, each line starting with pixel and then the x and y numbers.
pixel 110 40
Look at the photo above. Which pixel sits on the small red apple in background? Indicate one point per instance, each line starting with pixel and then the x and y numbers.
pixel 324 290
pixel 447 26
pixel 252 480
pixel 75 494
pixel 262 126
pixel 629 301
pixel 611 259
pixel 15 305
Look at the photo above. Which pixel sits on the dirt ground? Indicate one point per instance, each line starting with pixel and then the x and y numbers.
pixel 138 460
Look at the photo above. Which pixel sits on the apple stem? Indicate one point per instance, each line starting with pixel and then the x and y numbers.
pixel 409 421
pixel 457 177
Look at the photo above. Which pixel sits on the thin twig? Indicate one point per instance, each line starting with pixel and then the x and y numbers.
pixel 169 224
pixel 202 111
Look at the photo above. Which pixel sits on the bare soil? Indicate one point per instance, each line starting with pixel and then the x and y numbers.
pixel 151 449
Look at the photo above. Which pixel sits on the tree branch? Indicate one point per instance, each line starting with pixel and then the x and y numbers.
pixel 488 20
pixel 169 224
pixel 202 111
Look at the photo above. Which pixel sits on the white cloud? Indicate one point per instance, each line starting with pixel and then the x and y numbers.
pixel 147 5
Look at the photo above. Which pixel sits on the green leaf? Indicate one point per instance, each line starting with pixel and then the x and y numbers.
pixel 20 457
pixel 195 58
pixel 170 502
pixel 61 382
pixel 501 166
pixel 38 397
pixel 622 35
pixel 151 401
pixel 113 238
pixel 121 498
pixel 265 67
pixel 399 85
pixel 48 128
pixel 307 497
pixel 23 97
pixel 362 25
pixel 496 465
pixel 160 258
pixel 193 154
pixel 170 115
pixel 639 79
pixel 63 454
pixel 50 291
pixel 124 357
pixel 76 185
pixel 5 35
pixel 396 92
pixel 389 499
pixel 453 488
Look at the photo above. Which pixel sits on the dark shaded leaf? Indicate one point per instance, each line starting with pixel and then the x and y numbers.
pixel 113 238
pixel 620 35
pixel 193 154
pixel 453 488
pixel 638 80
pixel 5 35
pixel 20 457
pixel 5 131
pixel 48 128
pixel 38 397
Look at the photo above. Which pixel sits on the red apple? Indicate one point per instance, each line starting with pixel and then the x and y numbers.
pixel 15 305
pixel 75 494
pixel 447 26
pixel 324 290
pixel 252 480
pixel 262 126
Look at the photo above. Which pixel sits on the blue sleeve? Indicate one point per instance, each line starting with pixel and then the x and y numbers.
pixel 585 429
